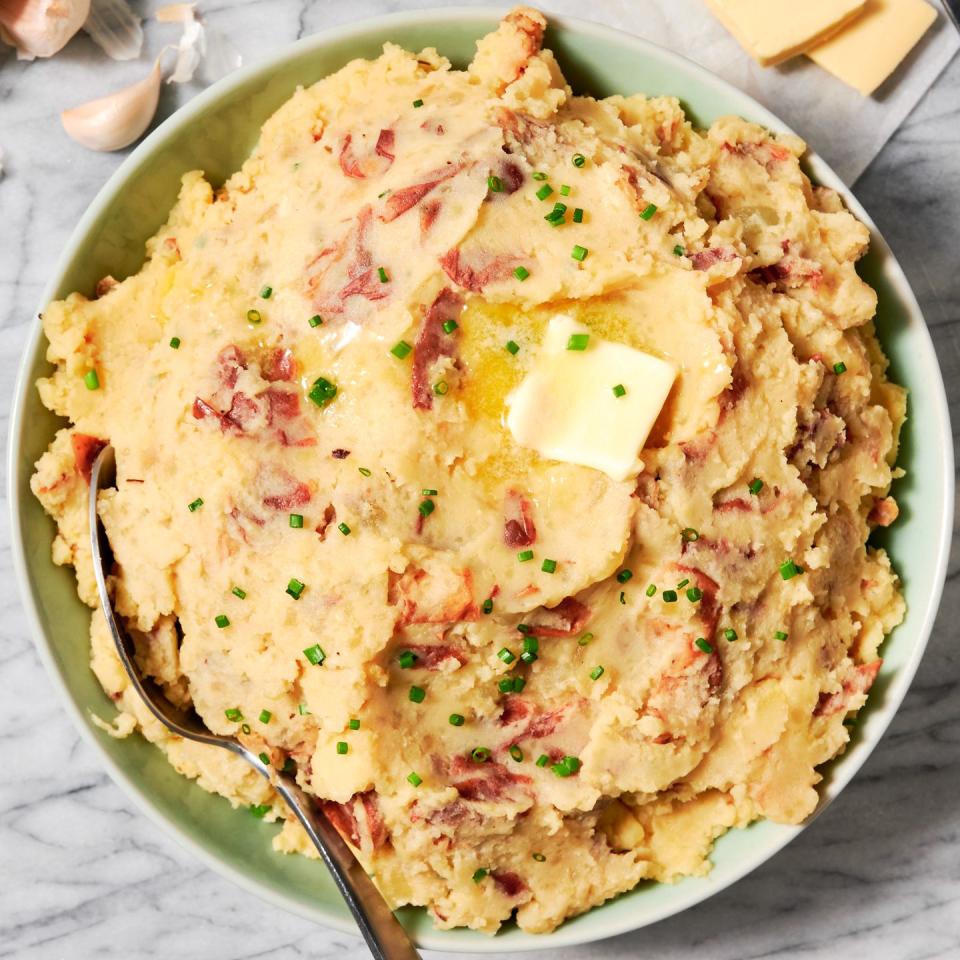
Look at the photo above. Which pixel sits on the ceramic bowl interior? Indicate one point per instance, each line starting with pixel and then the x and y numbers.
pixel 215 133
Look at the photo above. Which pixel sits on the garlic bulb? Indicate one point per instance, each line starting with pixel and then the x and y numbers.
pixel 39 28
pixel 115 121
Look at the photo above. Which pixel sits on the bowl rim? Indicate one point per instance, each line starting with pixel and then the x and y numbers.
pixel 821 173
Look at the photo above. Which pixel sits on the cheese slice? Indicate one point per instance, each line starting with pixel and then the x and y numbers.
pixel 772 31
pixel 866 52
pixel 566 408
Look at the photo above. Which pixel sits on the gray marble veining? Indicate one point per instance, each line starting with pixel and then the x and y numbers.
pixel 83 874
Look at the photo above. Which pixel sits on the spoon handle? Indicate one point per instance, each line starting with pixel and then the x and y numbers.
pixel 382 931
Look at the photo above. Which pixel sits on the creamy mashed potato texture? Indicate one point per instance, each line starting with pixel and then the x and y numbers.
pixel 517 685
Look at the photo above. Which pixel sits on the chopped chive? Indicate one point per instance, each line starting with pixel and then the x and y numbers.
pixel 449 326
pixel 566 767
pixel 296 521
pixel 506 685
pixel 542 760
pixel 694 594
pixel 528 657
pixel 295 588
pixel 579 253
pixel 780 635
pixel 578 341
pixel 302 710
pixel 237 592
pixel 233 714
pixel 689 534
pixel 524 555
pixel 221 620
pixel 417 694
pixel 623 598
pixel 315 655
pixel 839 368
pixel 401 349
pixel 259 810
pixel 544 192
pixel 755 485
pixel 619 390
pixel 538 175
pixel 289 765
pixel 565 190
pixel 316 320
pixel 648 211
pixel 195 505
pixel 344 529
pixel 487 606
pixel 342 747
pixel 524 628
pixel 265 716
pixel 91 380
pixel 624 575
pixel 479 875
pixel 678 251
pixel 382 274
pixel 428 492
pixel 426 507
pixel 521 273
pixel 730 634
pixel 456 719
pixel 683 583
pixel 516 753
pixel 254 316
pixel 354 723
pixel 322 391
pixel 549 566
pixel 414 779
pixel 494 184
pixel 578 214
pixel 539 857
pixel 245 728
pixel 264 759
pixel 364 471
pixel 556 215
pixel 479 754
pixel 651 590
pixel 596 673
pixel 175 343
pixel 507 656
pixel 579 159
pixel 383 193
pixel 418 103
pixel 440 388
pixel 704 644
pixel 788 570
pixel 518 684
pixel 531 645
pixel 585 638
pixel 511 346
pixel 407 659
pixel 669 596
pixel 266 292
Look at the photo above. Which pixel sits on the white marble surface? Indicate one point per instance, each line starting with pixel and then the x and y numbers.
pixel 83 874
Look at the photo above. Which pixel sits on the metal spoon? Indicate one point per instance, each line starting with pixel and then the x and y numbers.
pixel 383 933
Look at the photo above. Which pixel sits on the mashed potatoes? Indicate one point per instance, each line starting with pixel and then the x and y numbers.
pixel 321 519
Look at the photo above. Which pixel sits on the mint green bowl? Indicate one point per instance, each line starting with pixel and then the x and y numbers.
pixel 215 132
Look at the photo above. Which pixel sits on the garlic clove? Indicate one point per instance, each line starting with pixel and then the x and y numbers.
pixel 39 28
pixel 115 28
pixel 115 121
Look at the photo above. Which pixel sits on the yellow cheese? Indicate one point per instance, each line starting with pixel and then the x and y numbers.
pixel 772 31
pixel 866 52
pixel 566 407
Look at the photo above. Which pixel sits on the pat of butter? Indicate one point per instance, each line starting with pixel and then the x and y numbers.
pixel 566 409
pixel 772 31
pixel 865 53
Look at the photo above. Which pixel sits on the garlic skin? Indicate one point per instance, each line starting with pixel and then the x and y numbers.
pixel 115 121
pixel 40 28
pixel 115 28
